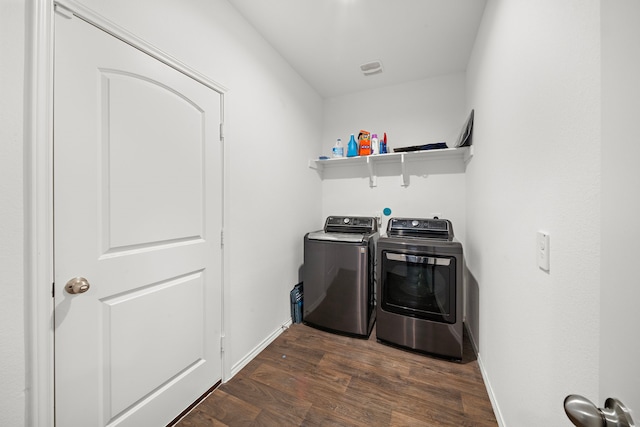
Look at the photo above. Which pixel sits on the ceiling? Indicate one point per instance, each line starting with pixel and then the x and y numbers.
pixel 326 41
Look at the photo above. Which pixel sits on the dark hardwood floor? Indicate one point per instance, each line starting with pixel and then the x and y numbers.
pixel 308 377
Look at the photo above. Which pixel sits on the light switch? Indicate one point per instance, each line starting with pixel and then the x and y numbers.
pixel 542 251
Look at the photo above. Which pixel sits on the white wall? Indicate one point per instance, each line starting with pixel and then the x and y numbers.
pixel 620 286
pixel 12 347
pixel 415 113
pixel 534 81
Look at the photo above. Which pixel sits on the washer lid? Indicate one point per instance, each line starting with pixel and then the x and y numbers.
pixel 350 224
pixel 336 237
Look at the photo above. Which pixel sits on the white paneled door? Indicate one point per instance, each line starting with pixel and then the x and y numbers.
pixel 137 213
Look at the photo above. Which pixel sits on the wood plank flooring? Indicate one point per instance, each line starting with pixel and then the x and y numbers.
pixel 308 377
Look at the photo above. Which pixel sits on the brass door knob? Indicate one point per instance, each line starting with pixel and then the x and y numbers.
pixel 77 285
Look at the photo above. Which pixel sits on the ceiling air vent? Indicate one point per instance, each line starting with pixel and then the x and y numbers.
pixel 373 67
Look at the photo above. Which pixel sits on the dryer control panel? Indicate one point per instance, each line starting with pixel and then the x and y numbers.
pixel 430 228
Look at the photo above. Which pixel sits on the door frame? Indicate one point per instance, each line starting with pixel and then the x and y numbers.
pixel 38 192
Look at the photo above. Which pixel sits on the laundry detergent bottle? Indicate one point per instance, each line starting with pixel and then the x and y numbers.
pixel 352 147
pixel 375 145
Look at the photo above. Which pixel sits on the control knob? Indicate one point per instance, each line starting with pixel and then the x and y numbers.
pixel 346 220
pixel 415 223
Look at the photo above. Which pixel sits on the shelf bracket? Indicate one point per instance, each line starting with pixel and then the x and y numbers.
pixel 317 167
pixel 373 179
pixel 468 154
pixel 405 174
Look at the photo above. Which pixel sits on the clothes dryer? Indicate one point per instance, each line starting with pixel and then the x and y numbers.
pixel 419 286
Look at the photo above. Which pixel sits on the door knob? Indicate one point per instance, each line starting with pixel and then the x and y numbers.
pixel 583 413
pixel 77 285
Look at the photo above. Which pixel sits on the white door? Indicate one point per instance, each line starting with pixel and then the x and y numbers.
pixel 137 212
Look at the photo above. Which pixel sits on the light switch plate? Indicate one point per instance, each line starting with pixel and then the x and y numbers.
pixel 542 250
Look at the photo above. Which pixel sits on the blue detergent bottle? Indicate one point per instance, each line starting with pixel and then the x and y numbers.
pixel 352 147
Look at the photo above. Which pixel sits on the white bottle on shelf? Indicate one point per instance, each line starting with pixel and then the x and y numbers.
pixel 338 149
pixel 375 145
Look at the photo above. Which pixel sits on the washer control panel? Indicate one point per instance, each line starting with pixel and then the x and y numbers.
pixel 350 224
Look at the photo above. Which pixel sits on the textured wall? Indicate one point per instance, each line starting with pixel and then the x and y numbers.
pixel 12 368
pixel 534 81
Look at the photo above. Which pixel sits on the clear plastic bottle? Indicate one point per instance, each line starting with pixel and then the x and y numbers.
pixel 352 147
pixel 338 149
pixel 375 145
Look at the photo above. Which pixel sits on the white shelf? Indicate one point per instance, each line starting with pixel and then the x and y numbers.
pixel 462 154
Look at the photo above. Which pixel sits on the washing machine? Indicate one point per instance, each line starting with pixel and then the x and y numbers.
pixel 419 286
pixel 339 276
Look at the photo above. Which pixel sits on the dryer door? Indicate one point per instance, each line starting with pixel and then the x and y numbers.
pixel 420 286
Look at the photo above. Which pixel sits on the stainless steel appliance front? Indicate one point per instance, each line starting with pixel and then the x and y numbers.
pixel 419 286
pixel 339 276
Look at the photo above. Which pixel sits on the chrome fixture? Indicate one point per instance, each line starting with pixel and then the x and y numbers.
pixel 583 413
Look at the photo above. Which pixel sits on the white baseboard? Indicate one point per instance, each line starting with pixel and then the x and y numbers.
pixel 492 397
pixel 485 378
pixel 256 350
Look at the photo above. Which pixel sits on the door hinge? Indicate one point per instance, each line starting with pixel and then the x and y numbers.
pixel 53 289
pixel 221 238
pixel 221 131
pixel 222 343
